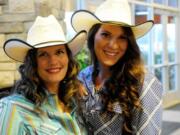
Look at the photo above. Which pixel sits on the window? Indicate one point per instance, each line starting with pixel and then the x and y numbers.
pixel 158 40
pixel 171 45
pixel 141 15
pixel 171 38
pixel 158 47
pixel 158 1
pixel 173 3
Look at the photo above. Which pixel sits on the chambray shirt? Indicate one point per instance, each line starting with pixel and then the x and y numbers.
pixel 18 116
pixel 148 121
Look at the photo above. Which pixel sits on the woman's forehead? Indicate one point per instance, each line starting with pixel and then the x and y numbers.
pixel 55 47
pixel 112 28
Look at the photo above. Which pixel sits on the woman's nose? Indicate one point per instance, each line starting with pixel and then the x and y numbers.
pixel 113 44
pixel 52 59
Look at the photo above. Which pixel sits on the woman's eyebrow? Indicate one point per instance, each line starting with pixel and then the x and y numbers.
pixel 60 49
pixel 104 30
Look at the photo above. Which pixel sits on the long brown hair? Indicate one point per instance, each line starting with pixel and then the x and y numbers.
pixel 126 79
pixel 31 86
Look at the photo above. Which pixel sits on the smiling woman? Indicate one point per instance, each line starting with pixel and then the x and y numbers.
pixel 123 97
pixel 43 100
pixel 110 44
pixel 52 65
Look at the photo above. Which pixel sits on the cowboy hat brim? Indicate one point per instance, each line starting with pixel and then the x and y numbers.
pixel 84 20
pixel 17 49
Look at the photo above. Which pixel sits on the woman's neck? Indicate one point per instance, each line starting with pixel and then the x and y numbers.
pixel 103 75
pixel 62 107
pixel 52 88
pixel 104 71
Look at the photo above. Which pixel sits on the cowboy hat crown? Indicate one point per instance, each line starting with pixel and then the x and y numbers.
pixel 45 31
pixel 111 11
pixel 50 30
pixel 115 11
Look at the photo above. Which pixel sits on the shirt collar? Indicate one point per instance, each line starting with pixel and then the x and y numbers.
pixel 52 100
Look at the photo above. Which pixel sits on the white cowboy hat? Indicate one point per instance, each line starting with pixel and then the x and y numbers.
pixel 46 31
pixel 111 11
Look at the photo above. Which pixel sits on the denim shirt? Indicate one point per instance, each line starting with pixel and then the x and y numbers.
pixel 145 122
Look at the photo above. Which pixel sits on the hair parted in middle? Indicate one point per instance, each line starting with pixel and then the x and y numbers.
pixel 126 79
pixel 32 87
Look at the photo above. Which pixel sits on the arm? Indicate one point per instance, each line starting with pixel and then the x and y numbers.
pixel 10 122
pixel 7 117
pixel 149 120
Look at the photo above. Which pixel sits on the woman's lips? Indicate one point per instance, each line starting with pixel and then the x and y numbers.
pixel 53 70
pixel 110 53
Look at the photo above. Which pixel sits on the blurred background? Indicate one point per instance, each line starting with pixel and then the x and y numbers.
pixel 160 47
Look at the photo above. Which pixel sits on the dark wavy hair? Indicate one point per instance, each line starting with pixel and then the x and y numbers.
pixel 126 79
pixel 31 86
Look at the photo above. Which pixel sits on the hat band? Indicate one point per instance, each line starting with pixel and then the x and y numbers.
pixel 50 42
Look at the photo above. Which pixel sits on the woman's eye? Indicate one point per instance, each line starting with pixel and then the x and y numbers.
pixel 59 52
pixel 42 54
pixel 123 37
pixel 105 34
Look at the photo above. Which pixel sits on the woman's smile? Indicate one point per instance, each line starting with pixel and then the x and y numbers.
pixel 110 53
pixel 110 44
pixel 54 70
pixel 52 63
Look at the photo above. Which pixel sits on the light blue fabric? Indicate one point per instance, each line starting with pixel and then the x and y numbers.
pixel 18 116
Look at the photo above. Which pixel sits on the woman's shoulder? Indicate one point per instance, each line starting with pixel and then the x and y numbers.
pixel 16 100
pixel 152 84
pixel 13 97
pixel 151 77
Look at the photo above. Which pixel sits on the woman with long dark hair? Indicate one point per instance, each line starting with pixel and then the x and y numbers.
pixel 123 96
pixel 43 100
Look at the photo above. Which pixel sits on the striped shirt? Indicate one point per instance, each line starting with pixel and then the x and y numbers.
pixel 18 116
pixel 148 121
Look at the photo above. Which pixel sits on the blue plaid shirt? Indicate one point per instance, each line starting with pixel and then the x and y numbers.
pixel 145 122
